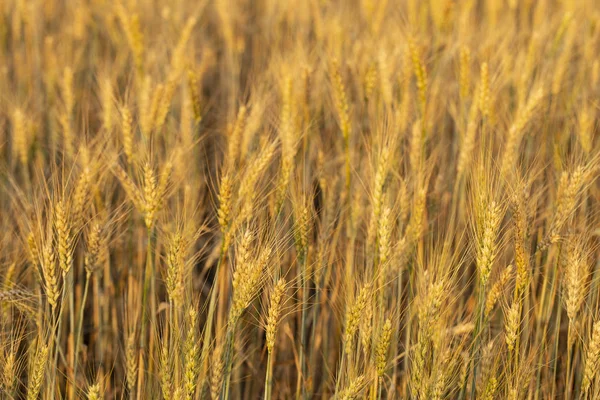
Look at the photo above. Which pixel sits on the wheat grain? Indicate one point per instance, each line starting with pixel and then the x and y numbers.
pixel 591 359
pixel 276 301
pixel 38 371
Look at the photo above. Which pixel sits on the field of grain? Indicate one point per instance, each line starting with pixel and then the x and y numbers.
pixel 299 199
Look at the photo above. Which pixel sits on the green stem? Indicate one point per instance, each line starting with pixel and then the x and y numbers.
pixel 80 321
pixel 229 361
pixel 568 370
pixel 477 337
pixel 397 333
pixel 410 285
pixel 71 285
pixel 301 379
pixel 314 316
pixel 269 377
pixel 148 278
pixel 375 389
pixel 57 327
pixel 347 166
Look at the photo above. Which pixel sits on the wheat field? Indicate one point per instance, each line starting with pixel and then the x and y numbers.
pixel 299 199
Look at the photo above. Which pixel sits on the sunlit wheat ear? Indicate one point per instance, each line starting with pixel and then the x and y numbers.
pixel 131 356
pixel 468 145
pixel 152 197
pixel 490 389
pixel 235 137
pixel 302 229
pixel 562 63
pixel 164 180
pixel 512 324
pixel 370 80
pixel 287 136
pixel 133 193
pixel 384 66
pixel 404 200
pixel 94 244
pixel 372 77
pixel 163 105
pixel 64 238
pixel 341 100
pixel 177 58
pixel 416 146
pixel 384 234
pixel 133 34
pixel 186 123
pixel 575 277
pixel 81 198
pixel 592 359
pixel 37 371
pixel 464 370
pixel 366 328
pixel 224 211
pixel 106 96
pixel 67 134
pixel 354 389
pixel 415 227
pixel 497 289
pixel 420 73
pixel 193 87
pixel 242 259
pixel 178 393
pixel 216 371
pixel 9 276
pixel 191 355
pixel 275 304
pixel 520 233
pixel 487 364
pixel 353 315
pixel 378 190
pixel 247 284
pixel 150 194
pixel 323 158
pixel 342 109
pixel 570 186
pixel 127 133
pixel 383 343
pixel 253 173
pixel 428 318
pixel 175 267
pixel 442 374
pixel 33 250
pixel 515 132
pixel 50 273
pixel 404 113
pixel 144 103
pixel 9 370
pixel 247 190
pixel 166 378
pixel 93 392
pixel 487 231
pixel 17 298
pixel 429 308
